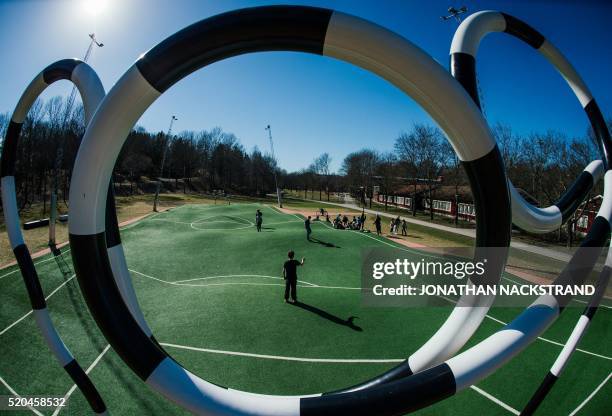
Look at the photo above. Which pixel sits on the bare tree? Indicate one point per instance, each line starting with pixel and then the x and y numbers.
pixel 358 168
pixel 387 169
pixel 320 166
pixel 423 148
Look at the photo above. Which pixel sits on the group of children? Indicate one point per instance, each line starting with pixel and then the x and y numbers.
pixel 394 225
pixel 342 222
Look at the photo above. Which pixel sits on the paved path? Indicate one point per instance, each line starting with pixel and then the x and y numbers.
pixel 467 232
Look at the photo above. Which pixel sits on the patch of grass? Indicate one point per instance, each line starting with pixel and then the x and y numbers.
pixel 233 303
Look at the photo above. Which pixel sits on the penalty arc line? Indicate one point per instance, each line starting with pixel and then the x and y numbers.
pixel 233 275
pixel 285 358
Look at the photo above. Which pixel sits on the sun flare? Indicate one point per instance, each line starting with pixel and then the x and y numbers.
pixel 95 7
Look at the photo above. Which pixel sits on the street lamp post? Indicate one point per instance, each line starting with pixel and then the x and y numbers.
pixel 278 191
pixel 163 161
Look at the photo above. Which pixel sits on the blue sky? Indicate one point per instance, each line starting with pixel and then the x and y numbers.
pixel 315 104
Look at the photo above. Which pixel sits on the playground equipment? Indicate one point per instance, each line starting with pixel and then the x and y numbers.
pixel 429 374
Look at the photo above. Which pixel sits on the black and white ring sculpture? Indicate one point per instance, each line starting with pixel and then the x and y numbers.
pixel 463 67
pixel 92 92
pixel 463 52
pixel 286 28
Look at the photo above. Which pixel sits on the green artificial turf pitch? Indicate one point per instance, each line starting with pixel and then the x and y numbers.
pixel 210 287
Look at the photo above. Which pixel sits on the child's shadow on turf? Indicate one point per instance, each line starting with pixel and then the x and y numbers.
pixel 323 243
pixel 323 314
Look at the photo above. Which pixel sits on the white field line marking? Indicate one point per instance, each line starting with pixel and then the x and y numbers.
pixel 601 305
pixel 590 396
pixel 279 222
pixel 311 285
pixel 35 264
pixel 151 217
pixel 196 221
pixel 495 400
pixel 74 386
pixel 555 342
pixel 170 221
pixel 14 393
pixel 46 298
pixel 236 275
pixel 285 358
pixel 245 225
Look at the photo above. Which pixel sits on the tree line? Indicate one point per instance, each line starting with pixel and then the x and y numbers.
pixel 202 161
pixel 542 165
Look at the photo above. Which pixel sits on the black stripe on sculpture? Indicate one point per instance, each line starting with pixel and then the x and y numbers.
pixel 491 202
pixel 396 373
pixel 523 31
pixel 537 398
pixel 395 398
pixel 30 277
pixel 108 308
pixel 9 149
pixel 282 28
pixel 463 68
pixel 600 130
pixel 576 193
pixel 600 290
pixel 60 70
pixel 113 238
pixel 581 264
pixel 84 384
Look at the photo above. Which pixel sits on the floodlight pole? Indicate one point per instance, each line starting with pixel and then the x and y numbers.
pixel 70 102
pixel 163 161
pixel 278 192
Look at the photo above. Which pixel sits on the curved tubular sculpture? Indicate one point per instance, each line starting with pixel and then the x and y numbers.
pixel 288 28
pixel 92 92
pixel 463 67
pixel 572 342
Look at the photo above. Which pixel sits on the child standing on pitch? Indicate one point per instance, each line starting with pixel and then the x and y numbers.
pixel 290 276
pixel 258 220
pixel 307 227
pixel 377 223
